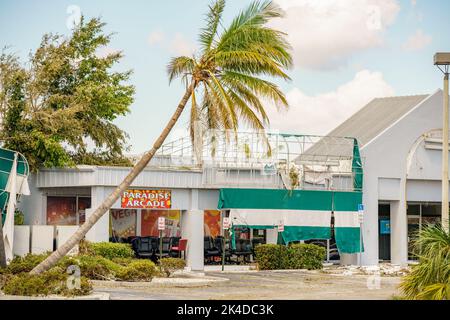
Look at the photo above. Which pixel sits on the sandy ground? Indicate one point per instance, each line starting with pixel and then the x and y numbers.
pixel 271 285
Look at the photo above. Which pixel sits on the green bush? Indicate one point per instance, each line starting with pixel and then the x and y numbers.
pixel 137 270
pixel 271 256
pixel 24 264
pixel 296 256
pixel 92 267
pixel 170 265
pixel 108 250
pixel 123 261
pixel 306 256
pixel 47 283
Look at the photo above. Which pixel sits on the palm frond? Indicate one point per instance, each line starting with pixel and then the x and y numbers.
pixel 213 19
pixel 257 14
pixel 250 62
pixel 180 66
pixel 259 87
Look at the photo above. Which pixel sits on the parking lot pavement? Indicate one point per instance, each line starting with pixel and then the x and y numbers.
pixel 270 285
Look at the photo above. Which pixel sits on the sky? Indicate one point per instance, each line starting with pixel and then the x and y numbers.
pixel 346 53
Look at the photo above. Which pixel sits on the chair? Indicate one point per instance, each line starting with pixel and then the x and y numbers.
pixel 244 249
pixel 143 247
pixel 180 247
pixel 209 250
pixel 165 247
pixel 218 243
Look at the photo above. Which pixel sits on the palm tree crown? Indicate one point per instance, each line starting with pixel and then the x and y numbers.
pixel 226 74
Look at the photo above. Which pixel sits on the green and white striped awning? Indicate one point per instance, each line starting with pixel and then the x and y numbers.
pixel 6 164
pixel 305 214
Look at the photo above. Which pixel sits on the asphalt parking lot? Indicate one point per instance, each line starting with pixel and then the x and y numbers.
pixel 271 285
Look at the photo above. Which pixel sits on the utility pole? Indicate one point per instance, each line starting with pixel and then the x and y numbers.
pixel 442 61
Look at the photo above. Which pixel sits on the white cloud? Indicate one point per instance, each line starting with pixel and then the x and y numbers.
pixel 321 113
pixel 417 41
pixel 326 33
pixel 156 37
pixel 177 44
pixel 181 46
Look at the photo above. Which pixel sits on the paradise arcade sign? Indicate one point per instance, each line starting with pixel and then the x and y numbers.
pixel 146 199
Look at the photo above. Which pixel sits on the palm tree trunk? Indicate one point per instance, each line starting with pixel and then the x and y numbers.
pixel 112 198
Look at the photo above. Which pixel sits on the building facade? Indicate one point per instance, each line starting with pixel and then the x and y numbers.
pixel 399 149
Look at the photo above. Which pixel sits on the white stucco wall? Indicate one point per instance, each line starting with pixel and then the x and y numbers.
pixel 385 174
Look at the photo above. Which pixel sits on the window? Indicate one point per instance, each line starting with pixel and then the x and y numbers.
pixel 123 223
pixel 67 211
pixel 83 204
pixel 149 223
pixel 212 223
pixel 62 211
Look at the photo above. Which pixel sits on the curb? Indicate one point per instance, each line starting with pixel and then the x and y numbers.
pixel 160 282
pixel 95 296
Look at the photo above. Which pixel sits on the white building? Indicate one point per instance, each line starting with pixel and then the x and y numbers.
pixel 399 141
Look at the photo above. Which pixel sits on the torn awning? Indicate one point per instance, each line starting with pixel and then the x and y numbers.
pixel 305 214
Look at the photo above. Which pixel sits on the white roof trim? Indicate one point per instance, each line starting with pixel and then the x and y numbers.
pixel 401 118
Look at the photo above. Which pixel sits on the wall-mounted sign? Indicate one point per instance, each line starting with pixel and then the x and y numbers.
pixel 385 226
pixel 280 227
pixel 146 199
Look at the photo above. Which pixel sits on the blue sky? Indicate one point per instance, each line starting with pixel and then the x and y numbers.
pixel 346 51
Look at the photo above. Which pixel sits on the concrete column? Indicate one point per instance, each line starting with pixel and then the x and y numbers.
pixel 399 232
pixel 370 224
pixel 100 231
pixel 192 230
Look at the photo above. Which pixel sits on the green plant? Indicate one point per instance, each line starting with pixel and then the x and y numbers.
pixel 305 256
pixel 19 218
pixel 296 256
pixel 24 264
pixel 123 261
pixel 53 281
pixel 137 270
pixel 170 265
pixel 110 250
pixel 430 279
pixel 92 267
pixel 271 256
pixel 294 176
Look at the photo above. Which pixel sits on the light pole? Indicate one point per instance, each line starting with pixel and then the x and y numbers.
pixel 442 61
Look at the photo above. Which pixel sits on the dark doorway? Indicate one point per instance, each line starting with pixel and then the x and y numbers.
pixel 384 232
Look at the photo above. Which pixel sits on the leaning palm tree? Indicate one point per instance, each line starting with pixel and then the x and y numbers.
pixel 224 83
pixel 430 279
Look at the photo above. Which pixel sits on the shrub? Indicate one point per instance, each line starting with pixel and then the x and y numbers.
pixel 296 256
pixel 53 281
pixel 305 256
pixel 271 256
pixel 170 265
pixel 24 264
pixel 137 270
pixel 123 261
pixel 92 267
pixel 108 250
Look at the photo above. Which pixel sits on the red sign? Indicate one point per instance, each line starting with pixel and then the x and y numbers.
pixel 146 199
